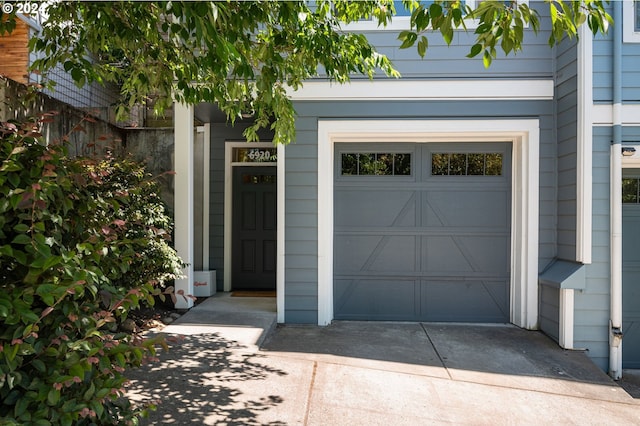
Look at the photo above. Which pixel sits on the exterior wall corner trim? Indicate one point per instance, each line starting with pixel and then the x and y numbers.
pixel 584 148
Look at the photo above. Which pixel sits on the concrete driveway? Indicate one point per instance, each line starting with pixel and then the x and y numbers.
pixel 233 367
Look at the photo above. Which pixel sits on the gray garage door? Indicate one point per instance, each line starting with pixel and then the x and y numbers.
pixel 631 270
pixel 422 231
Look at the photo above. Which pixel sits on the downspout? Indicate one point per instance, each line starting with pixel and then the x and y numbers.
pixel 615 321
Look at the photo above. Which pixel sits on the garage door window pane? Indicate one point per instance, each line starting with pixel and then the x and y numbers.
pixel 367 164
pixel 458 164
pixel 349 164
pixel 380 164
pixel 466 164
pixel 402 164
pixel 493 165
pixel 384 164
pixel 630 191
pixel 439 164
pixel 476 165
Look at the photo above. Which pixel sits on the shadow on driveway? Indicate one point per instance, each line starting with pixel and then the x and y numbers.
pixel 204 377
pixel 369 373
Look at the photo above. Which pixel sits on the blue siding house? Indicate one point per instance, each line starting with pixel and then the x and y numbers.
pixel 457 193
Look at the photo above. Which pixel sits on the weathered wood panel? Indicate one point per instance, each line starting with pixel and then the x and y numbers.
pixel 14 53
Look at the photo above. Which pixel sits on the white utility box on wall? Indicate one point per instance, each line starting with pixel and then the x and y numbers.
pixel 204 283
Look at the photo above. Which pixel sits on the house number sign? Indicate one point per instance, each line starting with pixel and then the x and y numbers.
pixel 255 155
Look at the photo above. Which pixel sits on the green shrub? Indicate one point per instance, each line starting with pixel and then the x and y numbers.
pixel 82 242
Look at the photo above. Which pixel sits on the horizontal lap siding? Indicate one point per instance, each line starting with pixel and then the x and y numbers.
pixel 603 67
pixel 630 134
pixel 631 72
pixel 451 62
pixel 547 238
pixel 592 304
pixel 301 219
pixel 442 61
pixel 567 97
pixel 301 183
pixel 219 134
pixel 549 311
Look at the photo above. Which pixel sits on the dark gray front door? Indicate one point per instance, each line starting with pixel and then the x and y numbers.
pixel 254 228
pixel 631 272
pixel 422 232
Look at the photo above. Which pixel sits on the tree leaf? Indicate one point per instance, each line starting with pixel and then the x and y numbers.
pixel 53 397
pixel 457 16
pixel 475 50
pixel 21 227
pixel 554 12
pixel 77 370
pixel 409 39
pixel 21 407
pixel 507 45
pixel 13 378
pixel 21 239
pixel 18 150
pixel 423 44
pixel 486 59
pixel 6 250
pixel 5 308
pixel 447 31
pixel 39 365
pixel 435 10
pixel 78 76
pixel 89 393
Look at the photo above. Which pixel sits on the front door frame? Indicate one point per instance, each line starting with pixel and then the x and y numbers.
pixel 262 275
pixel 228 214
pixel 524 134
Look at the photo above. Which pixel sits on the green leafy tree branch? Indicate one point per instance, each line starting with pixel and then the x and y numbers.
pixel 499 24
pixel 244 56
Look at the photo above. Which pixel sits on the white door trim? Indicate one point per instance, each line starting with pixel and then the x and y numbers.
pixel 228 215
pixel 525 137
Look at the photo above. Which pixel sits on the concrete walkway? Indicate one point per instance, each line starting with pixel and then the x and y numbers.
pixel 234 367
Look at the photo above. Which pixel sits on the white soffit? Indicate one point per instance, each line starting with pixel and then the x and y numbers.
pixel 485 89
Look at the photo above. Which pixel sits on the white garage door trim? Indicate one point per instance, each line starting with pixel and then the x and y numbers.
pixel 525 137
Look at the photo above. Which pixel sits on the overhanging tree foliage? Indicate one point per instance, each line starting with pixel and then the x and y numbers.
pixel 243 55
pixel 501 23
